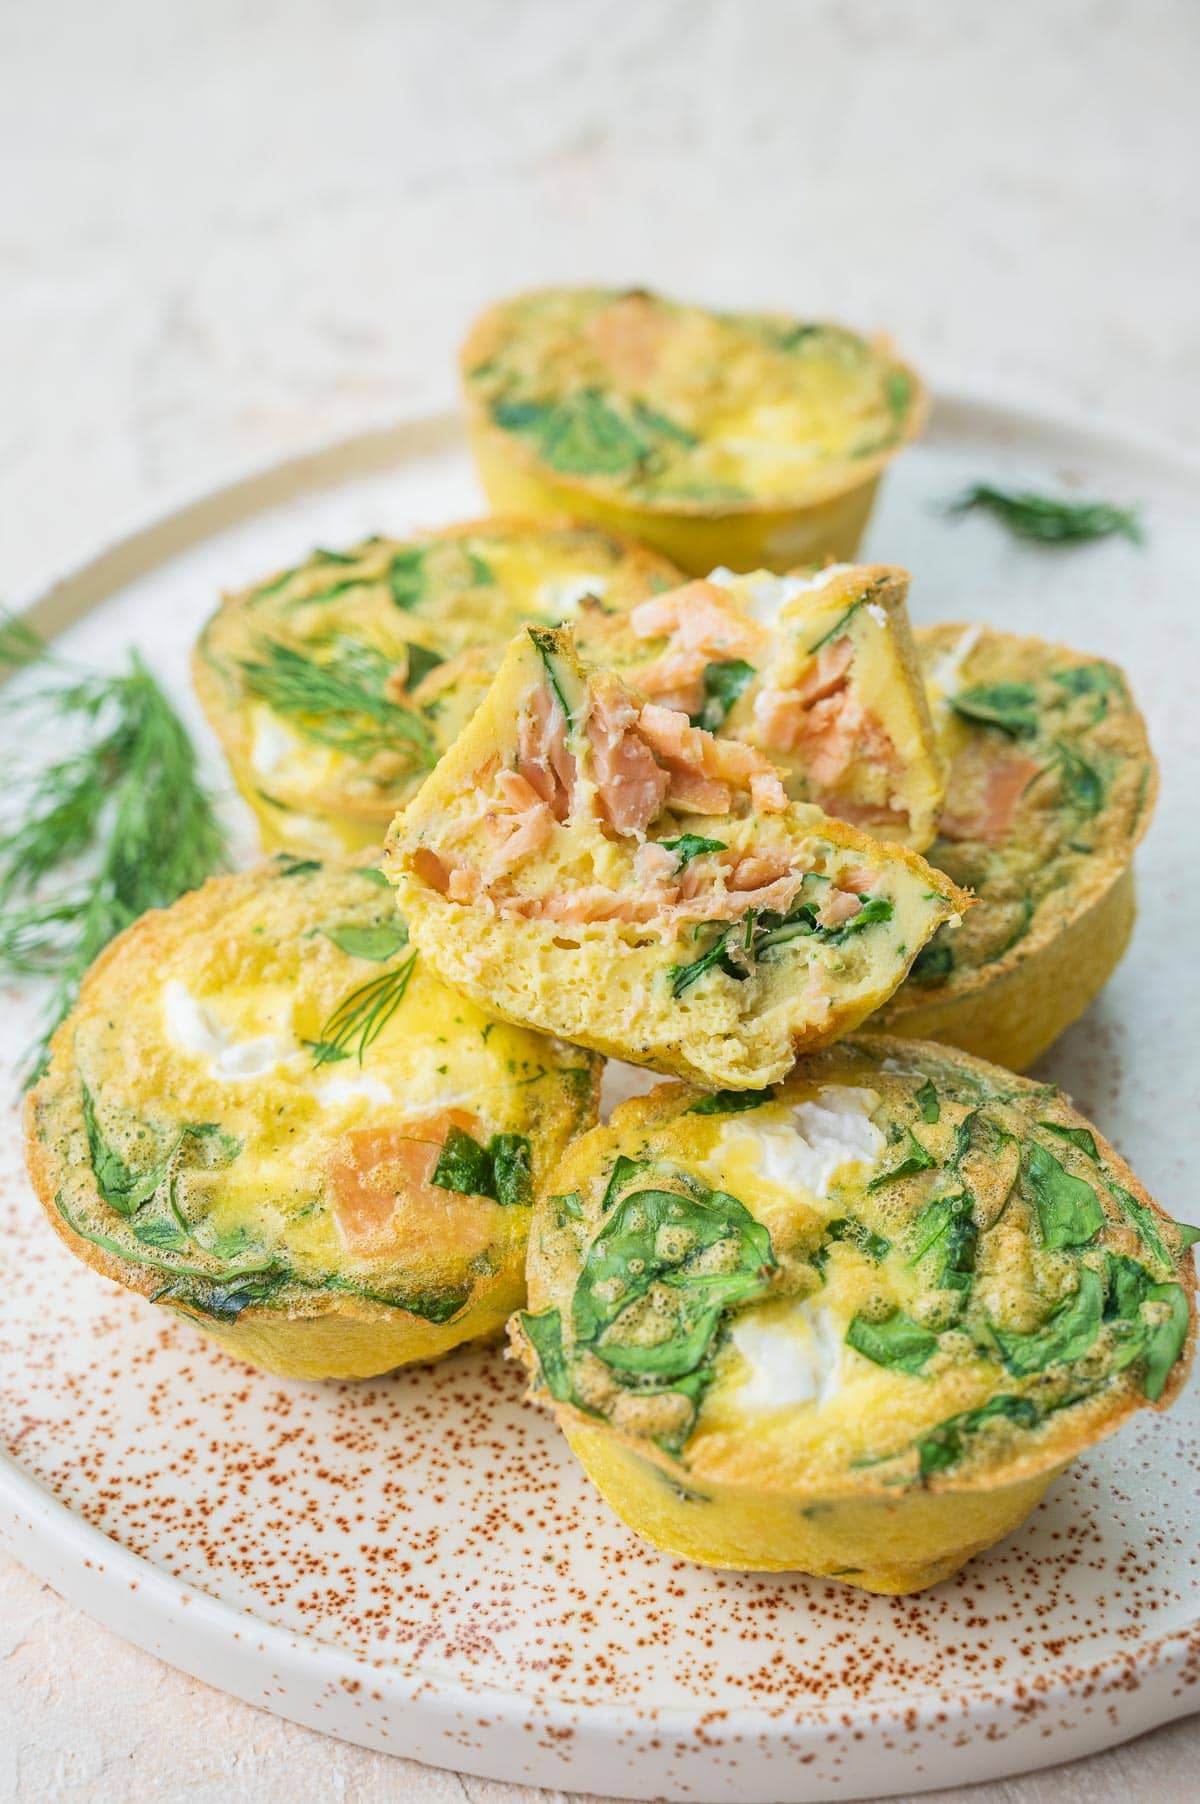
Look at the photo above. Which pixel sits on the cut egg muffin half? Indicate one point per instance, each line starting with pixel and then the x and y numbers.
pixel 266 1114
pixel 818 672
pixel 1051 784
pixel 334 687
pixel 853 1325
pixel 592 864
pixel 744 439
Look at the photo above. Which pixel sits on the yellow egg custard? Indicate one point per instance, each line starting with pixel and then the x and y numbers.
pixel 1051 784
pixel 266 1114
pixel 592 864
pixel 335 687
pixel 854 1325
pixel 819 672
pixel 745 439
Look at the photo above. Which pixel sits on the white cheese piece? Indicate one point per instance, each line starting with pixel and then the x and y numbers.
pixel 946 675
pixel 765 594
pixel 560 596
pixel 273 744
pixel 338 1090
pixel 808 1149
pixel 793 1359
pixel 195 1029
pixel 878 614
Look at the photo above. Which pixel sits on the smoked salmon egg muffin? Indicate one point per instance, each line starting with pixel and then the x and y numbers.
pixel 335 687
pixel 854 1325
pixel 592 864
pixel 1051 784
pixel 818 672
pixel 266 1114
pixel 745 439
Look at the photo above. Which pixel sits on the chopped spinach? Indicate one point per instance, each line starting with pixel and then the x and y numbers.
pixel 731 1102
pixel 1068 1333
pixel 945 1445
pixel 896 1342
pixel 898 389
pixel 1130 1287
pixel 1083 1138
pixel 934 961
pixel 916 1158
pixel 929 1103
pixel 1082 783
pixel 120 1186
pixel 502 1169
pixel 723 683
pixel 946 1227
pixel 1145 1225
pixel 406 577
pixel 580 435
pixel 546 641
pixel 544 1333
pixel 689 846
pixel 288 865
pixel 854 1233
pixel 421 660
pixel 1068 1210
pixel 1012 707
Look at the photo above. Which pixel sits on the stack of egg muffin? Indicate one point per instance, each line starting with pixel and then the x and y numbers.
pixel 645 767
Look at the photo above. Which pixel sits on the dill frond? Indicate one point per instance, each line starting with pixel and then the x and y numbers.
pixel 119 824
pixel 1048 520
pixel 339 701
pixel 359 1019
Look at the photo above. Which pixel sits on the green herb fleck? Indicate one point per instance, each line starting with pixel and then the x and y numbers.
pixel 1050 521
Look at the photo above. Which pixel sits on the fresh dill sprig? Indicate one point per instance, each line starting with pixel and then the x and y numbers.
pixel 359 1019
pixel 340 701
pixel 119 824
pixel 1050 521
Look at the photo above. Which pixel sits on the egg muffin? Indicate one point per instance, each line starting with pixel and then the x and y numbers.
pixel 819 672
pixel 592 864
pixel 746 439
pixel 335 687
pixel 1051 785
pixel 266 1114
pixel 854 1325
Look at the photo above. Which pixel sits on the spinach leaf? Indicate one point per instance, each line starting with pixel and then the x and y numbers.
pixel 421 660
pixel 1068 1333
pixel 682 977
pixel 1082 783
pixel 1130 1286
pixel 512 1169
pixel 157 1231
pixel 898 389
pixel 855 1233
pixel 946 1226
pixel 945 1445
pixel 406 577
pixel 657 1239
pixel 658 425
pixel 730 1102
pixel 463 1165
pixel 723 683
pixel 840 624
pixel 930 1105
pixel 501 1170
pixel 1188 1236
pixel 689 846
pixel 896 1342
pixel 1083 1138
pixel 288 865
pixel 1012 707
pixel 1068 1210
pixel 1144 1224
pixel 934 961
pixel 544 1333
pixel 567 1207
pixel 120 1186
pixel 377 943
pixel 579 435
pixel 916 1158
pixel 619 1178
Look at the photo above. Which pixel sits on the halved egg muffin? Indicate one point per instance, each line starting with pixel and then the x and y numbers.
pixel 592 864
pixel 1051 784
pixel 744 439
pixel 267 1114
pixel 854 1325
pixel 335 687
pixel 819 672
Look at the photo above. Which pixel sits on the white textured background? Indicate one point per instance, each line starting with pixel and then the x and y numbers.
pixel 229 231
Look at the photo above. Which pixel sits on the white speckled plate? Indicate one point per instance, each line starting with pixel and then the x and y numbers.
pixel 417 1564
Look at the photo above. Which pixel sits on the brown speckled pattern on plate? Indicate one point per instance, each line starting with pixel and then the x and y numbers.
pixel 417 1563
